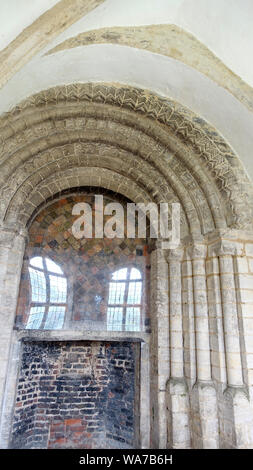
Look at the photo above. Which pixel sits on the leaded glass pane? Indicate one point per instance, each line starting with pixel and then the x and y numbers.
pixel 35 318
pixel 58 289
pixel 53 267
pixel 129 295
pixel 47 289
pixel 120 275
pixel 37 262
pixel 55 318
pixel 133 319
pixel 114 318
pixel 134 293
pixel 116 293
pixel 135 274
pixel 38 284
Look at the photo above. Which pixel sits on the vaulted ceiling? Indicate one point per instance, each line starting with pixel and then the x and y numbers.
pixel 195 52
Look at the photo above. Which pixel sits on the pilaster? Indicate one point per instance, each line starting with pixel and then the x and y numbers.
pixel 12 246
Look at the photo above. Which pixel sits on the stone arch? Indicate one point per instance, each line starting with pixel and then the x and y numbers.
pixel 163 138
pixel 115 145
pixel 117 177
pixel 148 148
pixel 82 177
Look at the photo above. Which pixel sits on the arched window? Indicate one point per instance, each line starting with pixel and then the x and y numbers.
pixel 125 300
pixel 48 295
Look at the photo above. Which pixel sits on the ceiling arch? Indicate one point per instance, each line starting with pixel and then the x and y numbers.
pixel 171 41
pixel 193 52
pixel 136 68
pixel 48 23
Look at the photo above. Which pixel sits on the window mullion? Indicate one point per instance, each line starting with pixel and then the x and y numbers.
pixel 47 295
pixel 125 299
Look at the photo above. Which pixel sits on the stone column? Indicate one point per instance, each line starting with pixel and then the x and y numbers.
pixel 243 270
pixel 230 320
pixel 178 399
pixel 243 273
pixel 188 321
pixel 144 396
pixel 204 400
pixel 218 358
pixel 237 416
pixel 226 251
pixel 159 372
pixel 12 246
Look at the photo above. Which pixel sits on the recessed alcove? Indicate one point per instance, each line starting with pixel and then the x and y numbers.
pixel 82 335
pixel 96 283
pixel 77 394
pixel 194 320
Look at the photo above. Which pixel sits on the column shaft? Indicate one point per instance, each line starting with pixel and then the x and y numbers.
pixel 160 361
pixel 12 247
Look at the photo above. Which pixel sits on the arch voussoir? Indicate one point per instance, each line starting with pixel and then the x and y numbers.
pixel 182 147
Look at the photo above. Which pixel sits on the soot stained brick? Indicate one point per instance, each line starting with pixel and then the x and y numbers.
pixel 75 410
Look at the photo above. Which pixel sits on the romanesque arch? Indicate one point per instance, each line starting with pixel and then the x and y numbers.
pixel 148 148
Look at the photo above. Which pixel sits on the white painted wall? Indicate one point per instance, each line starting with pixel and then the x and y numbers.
pixel 166 76
pixel 16 15
pixel 224 26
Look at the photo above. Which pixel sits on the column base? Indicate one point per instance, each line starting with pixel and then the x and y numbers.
pixel 178 414
pixel 237 419
pixel 205 427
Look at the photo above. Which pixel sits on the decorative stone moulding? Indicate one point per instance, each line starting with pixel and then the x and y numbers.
pixel 148 142
pixel 149 149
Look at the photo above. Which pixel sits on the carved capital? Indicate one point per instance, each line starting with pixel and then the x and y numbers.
pixel 9 234
pixel 225 247
pixel 177 386
pixel 174 255
pixel 197 251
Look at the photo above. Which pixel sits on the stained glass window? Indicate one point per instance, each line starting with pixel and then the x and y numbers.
pixel 125 300
pixel 48 295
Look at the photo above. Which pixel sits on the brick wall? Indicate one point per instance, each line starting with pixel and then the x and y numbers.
pixel 76 395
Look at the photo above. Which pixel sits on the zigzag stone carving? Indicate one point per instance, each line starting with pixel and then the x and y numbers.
pixel 218 158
